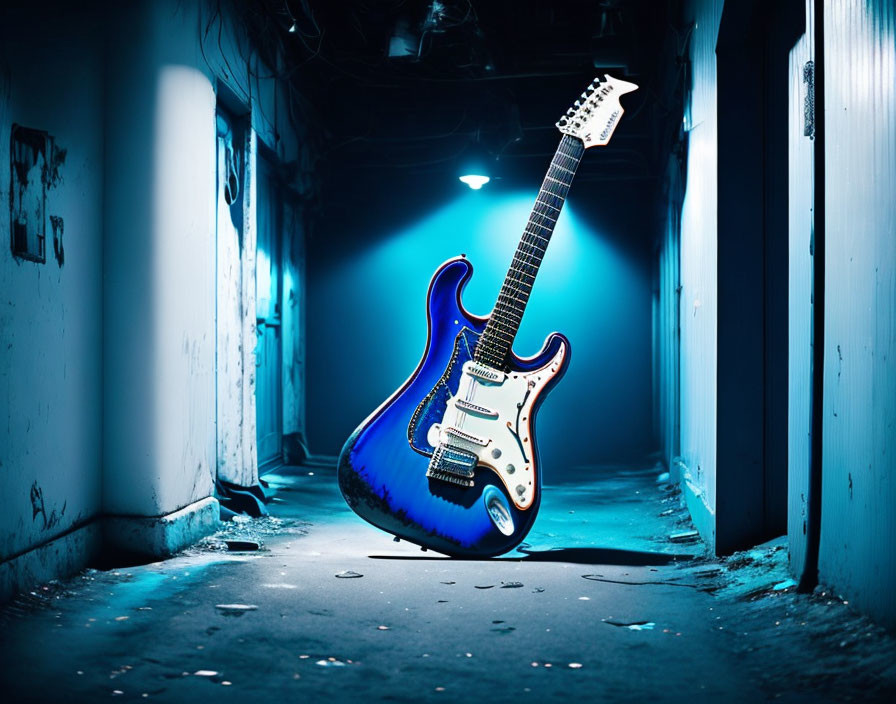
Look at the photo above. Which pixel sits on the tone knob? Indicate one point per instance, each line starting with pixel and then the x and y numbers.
pixel 510 469
pixel 496 453
pixel 520 489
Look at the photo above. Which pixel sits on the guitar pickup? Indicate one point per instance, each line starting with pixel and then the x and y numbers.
pixel 468 407
pixel 484 373
pixel 466 437
pixel 452 465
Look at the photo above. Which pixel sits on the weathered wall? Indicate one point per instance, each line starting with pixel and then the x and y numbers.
pixel 294 314
pixel 107 362
pixel 159 410
pixel 858 518
pixel 699 284
pixel 667 322
pixel 801 186
pixel 50 326
pixel 162 450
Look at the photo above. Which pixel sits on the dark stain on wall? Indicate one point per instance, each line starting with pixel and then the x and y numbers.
pixel 35 168
pixel 50 520
pixel 58 225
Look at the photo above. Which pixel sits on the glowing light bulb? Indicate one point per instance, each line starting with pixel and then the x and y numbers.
pixel 475 181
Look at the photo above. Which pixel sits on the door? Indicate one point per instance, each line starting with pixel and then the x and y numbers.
pixel 268 352
pixel 235 451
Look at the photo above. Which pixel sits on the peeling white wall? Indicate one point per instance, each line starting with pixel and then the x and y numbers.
pixel 162 449
pixel 50 326
pixel 699 268
pixel 159 297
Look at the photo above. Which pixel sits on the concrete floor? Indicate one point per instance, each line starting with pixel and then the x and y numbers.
pixel 600 606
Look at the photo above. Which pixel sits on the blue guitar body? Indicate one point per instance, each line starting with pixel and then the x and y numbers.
pixel 383 467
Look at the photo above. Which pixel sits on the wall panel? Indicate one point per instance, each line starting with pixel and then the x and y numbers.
pixel 50 329
pixel 858 519
pixel 699 252
pixel 801 185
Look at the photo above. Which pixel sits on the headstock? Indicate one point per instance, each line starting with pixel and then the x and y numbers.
pixel 594 116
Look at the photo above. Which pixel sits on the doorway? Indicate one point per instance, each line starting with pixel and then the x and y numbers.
pixel 268 281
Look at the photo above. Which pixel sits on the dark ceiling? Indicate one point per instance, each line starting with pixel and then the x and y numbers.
pixel 412 84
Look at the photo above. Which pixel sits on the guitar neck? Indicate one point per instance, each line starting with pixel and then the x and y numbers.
pixel 500 331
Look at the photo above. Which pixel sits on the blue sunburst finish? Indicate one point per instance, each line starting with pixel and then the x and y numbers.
pixel 383 478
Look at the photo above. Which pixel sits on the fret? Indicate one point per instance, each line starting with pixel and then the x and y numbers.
pixel 517 311
pixel 496 330
pixel 529 259
pixel 557 180
pixel 521 288
pixel 511 310
pixel 510 301
pixel 570 142
pixel 505 332
pixel 550 200
pixel 535 234
pixel 562 158
pixel 501 329
pixel 518 286
pixel 509 328
pixel 543 227
pixel 510 320
pixel 520 271
pixel 530 262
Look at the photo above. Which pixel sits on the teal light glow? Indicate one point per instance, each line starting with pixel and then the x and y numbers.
pixel 474 181
pixel 366 306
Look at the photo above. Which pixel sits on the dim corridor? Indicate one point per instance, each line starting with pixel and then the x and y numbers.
pixel 610 598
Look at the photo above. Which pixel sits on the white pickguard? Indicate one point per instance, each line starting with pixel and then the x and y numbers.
pixel 493 420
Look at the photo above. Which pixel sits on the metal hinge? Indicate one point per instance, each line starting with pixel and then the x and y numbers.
pixel 809 101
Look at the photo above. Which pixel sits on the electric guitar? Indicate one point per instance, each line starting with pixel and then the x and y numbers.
pixel 449 461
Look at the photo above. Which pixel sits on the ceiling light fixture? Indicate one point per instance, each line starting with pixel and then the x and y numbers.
pixel 474 181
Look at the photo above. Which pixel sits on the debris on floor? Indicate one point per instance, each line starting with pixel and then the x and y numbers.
pixel 348 574
pixel 235 609
pixel 687 536
pixel 241 545
pixel 683 621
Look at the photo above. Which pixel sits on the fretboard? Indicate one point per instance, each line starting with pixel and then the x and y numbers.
pixel 500 331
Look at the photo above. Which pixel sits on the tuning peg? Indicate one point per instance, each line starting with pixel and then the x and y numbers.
pixel 578 104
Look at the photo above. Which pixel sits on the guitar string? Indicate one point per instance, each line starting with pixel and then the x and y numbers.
pixel 529 253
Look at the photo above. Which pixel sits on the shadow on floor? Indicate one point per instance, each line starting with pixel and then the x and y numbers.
pixel 576 556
